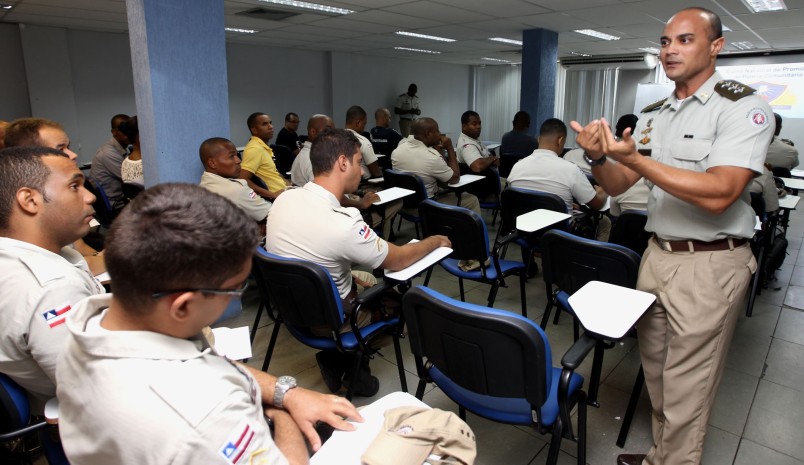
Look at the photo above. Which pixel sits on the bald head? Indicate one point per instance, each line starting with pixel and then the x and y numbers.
pixel 211 147
pixel 422 126
pixel 382 117
pixel 316 124
pixel 712 20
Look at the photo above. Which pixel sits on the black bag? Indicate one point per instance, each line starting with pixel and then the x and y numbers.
pixel 775 258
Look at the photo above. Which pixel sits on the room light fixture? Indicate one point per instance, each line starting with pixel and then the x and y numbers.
pixel 417 50
pixel 580 54
pixel 310 6
pixel 652 50
pixel 423 36
pixel 725 28
pixel 506 41
pixel 744 45
pixel 759 6
pixel 596 34
pixel 242 31
pixel 6 6
pixel 495 60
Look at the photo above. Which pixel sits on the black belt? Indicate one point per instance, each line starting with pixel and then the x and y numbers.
pixel 699 246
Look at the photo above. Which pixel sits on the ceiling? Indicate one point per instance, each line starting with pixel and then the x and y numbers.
pixel 370 29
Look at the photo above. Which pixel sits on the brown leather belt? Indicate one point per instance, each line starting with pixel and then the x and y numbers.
pixel 699 246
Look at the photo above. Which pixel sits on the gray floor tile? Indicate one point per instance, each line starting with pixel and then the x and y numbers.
pixel 733 401
pixel 720 447
pixel 776 418
pixel 791 326
pixel 748 354
pixel 795 297
pixel 785 365
pixel 751 453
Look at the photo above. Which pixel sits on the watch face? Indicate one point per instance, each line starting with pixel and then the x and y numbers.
pixel 287 381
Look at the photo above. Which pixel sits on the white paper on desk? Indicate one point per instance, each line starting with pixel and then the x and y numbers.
pixel 103 277
pixel 609 310
pixel 428 260
pixel 393 193
pixel 233 343
pixel 346 447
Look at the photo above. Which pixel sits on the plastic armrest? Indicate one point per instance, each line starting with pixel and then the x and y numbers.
pixel 577 353
pixel 372 293
pixel 509 238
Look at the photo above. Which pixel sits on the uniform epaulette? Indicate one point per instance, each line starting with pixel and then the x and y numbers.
pixel 733 90
pixel 654 106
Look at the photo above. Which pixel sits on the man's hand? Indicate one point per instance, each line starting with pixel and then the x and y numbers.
pixel 368 200
pixel 442 241
pixel 445 142
pixel 588 138
pixel 308 407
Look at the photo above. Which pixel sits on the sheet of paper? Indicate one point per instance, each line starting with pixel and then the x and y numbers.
pixel 391 194
pixel 233 343
pixel 428 260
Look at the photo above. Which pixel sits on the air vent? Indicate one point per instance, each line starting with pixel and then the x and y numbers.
pixel 268 14
pixel 635 61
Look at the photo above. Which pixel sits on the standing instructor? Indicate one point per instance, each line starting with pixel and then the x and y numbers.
pixel 708 140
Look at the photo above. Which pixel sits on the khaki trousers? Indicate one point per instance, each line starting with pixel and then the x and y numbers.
pixel 684 339
pixel 404 126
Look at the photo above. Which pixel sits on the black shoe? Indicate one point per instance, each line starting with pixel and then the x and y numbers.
pixel 630 459
pixel 366 386
pixel 332 369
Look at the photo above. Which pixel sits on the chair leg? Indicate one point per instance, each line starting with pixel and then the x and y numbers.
pixel 418 234
pixel 420 389
pixel 270 352
pixel 355 374
pixel 547 310
pixel 460 286
pixel 557 315
pixel 581 432
pixel 576 328
pixel 403 381
pixel 427 276
pixel 631 409
pixel 399 224
pixel 256 321
pixel 755 284
pixel 493 293
pixel 522 297
pixel 555 442
pixel 594 380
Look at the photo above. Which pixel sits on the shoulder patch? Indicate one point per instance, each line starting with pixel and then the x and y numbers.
pixel 733 90
pixel 654 106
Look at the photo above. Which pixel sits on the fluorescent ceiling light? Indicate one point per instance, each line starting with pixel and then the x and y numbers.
pixel 243 31
pixel 745 45
pixel 6 6
pixel 423 36
pixel 579 54
pixel 417 50
pixel 758 6
pixel 310 6
pixel 725 28
pixel 652 50
pixel 506 41
pixel 495 59
pixel 597 34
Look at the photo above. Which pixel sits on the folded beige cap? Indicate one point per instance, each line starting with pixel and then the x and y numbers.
pixel 411 434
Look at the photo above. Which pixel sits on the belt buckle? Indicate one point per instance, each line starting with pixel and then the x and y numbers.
pixel 664 244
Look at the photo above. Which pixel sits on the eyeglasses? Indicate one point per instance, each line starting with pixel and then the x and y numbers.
pixel 231 292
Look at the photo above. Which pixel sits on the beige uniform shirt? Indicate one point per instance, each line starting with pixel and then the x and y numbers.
pixel 38 289
pixel 414 157
pixel 302 170
pixel 544 171
pixel 239 193
pixel 703 131
pixel 367 150
pixel 140 398
pixel 470 150
pixel 781 154
pixel 406 102
pixel 635 198
pixel 309 223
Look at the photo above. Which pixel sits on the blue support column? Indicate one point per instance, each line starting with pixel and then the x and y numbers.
pixel 537 94
pixel 178 55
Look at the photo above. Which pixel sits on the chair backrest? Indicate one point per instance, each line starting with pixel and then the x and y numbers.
pixel 132 189
pixel 15 411
pixel 629 231
pixel 486 187
pixel 396 178
pixel 508 160
pixel 302 292
pixel 283 157
pixel 569 262
pixel 103 207
pixel 782 172
pixel 485 350
pixel 518 201
pixel 464 228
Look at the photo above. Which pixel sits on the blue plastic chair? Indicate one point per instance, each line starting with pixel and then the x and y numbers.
pixel 470 241
pixel 496 364
pixel 410 203
pixel 303 295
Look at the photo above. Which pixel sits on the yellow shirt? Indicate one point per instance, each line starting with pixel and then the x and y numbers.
pixel 258 159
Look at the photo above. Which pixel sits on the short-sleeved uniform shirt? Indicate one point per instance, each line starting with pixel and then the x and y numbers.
pixel 703 131
pixel 309 223
pixel 141 397
pixel 367 150
pixel 238 192
pixel 384 140
pixel 38 289
pixel 781 154
pixel 258 158
pixel 470 149
pixel 406 102
pixel 544 171
pixel 414 157
pixel 302 170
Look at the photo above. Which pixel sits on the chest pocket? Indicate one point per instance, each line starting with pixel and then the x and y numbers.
pixel 692 154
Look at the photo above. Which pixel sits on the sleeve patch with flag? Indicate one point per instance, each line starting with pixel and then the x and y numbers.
pixel 252 194
pixel 365 231
pixel 236 445
pixel 56 316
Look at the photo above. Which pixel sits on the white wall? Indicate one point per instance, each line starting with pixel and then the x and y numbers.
pixel 13 83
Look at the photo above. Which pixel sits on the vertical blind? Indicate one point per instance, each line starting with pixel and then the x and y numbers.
pixel 496 97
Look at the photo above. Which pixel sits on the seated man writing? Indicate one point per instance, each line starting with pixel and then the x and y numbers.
pixel 138 381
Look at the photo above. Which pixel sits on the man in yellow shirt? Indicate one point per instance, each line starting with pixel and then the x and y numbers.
pixel 258 158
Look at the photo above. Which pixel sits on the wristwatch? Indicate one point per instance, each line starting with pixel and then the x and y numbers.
pixel 283 385
pixel 591 162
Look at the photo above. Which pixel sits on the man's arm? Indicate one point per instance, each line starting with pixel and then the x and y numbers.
pixel 374 169
pixel 482 164
pixel 599 200
pixel 247 175
pixel 452 158
pixel 288 437
pixel 361 204
pixel 308 407
pixel 399 258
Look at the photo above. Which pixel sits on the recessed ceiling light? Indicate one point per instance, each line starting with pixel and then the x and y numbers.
pixel 6 6
pixel 495 59
pixel 506 41
pixel 597 34
pixel 310 6
pixel 579 54
pixel 243 31
pixel 423 36
pixel 652 50
pixel 745 45
pixel 758 6
pixel 417 50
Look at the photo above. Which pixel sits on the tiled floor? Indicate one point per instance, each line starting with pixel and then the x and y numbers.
pixel 757 418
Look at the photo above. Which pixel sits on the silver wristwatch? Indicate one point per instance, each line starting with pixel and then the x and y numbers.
pixel 591 162
pixel 283 385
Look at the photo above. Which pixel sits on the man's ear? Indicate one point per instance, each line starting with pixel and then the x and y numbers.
pixel 181 306
pixel 29 200
pixel 343 163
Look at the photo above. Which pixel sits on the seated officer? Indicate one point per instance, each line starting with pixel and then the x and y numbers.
pixel 43 208
pixel 138 381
